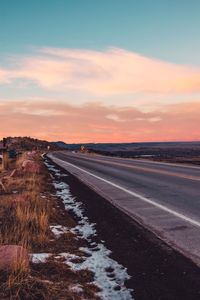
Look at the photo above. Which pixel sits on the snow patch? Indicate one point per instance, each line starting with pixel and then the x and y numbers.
pixel 109 275
pixel 58 230
pixel 76 289
pixel 84 229
pixel 52 168
pixel 69 257
pixel 37 258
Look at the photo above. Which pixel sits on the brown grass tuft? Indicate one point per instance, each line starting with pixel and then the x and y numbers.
pixel 24 221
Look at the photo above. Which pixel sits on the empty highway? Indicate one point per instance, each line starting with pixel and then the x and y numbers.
pixel 165 198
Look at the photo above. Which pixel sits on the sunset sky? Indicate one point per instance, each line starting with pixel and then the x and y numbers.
pixel 100 71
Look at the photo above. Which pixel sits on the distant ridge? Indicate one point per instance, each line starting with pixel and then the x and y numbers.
pixel 128 146
pixel 167 151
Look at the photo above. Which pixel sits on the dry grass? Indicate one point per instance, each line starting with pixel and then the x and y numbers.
pixel 20 285
pixel 20 160
pixel 20 269
pixel 24 220
pixel 33 223
pixel 28 222
pixel 30 183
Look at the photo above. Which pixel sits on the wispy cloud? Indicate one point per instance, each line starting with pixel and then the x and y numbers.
pixel 111 72
pixel 134 94
pixel 97 123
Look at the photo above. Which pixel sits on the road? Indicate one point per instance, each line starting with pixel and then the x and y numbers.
pixel 164 198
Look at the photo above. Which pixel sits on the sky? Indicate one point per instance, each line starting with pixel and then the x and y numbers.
pixel 100 71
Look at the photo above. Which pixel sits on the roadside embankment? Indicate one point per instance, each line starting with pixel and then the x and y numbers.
pixel 157 271
pixel 35 237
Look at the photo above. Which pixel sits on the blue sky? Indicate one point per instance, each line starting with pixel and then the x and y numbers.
pixel 162 29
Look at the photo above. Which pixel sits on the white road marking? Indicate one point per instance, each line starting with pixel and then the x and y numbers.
pixel 136 195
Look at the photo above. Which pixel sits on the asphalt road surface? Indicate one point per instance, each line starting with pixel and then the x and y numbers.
pixel 163 197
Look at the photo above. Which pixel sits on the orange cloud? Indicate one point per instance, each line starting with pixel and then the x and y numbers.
pixel 98 123
pixel 111 72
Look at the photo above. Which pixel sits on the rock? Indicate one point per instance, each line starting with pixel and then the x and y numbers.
pixel 26 163
pixel 30 166
pixel 31 155
pixel 13 256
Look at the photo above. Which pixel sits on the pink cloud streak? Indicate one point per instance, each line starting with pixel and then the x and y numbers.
pixel 98 123
pixel 115 71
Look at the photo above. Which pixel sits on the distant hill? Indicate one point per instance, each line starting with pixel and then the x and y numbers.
pixel 153 149
pixel 130 146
